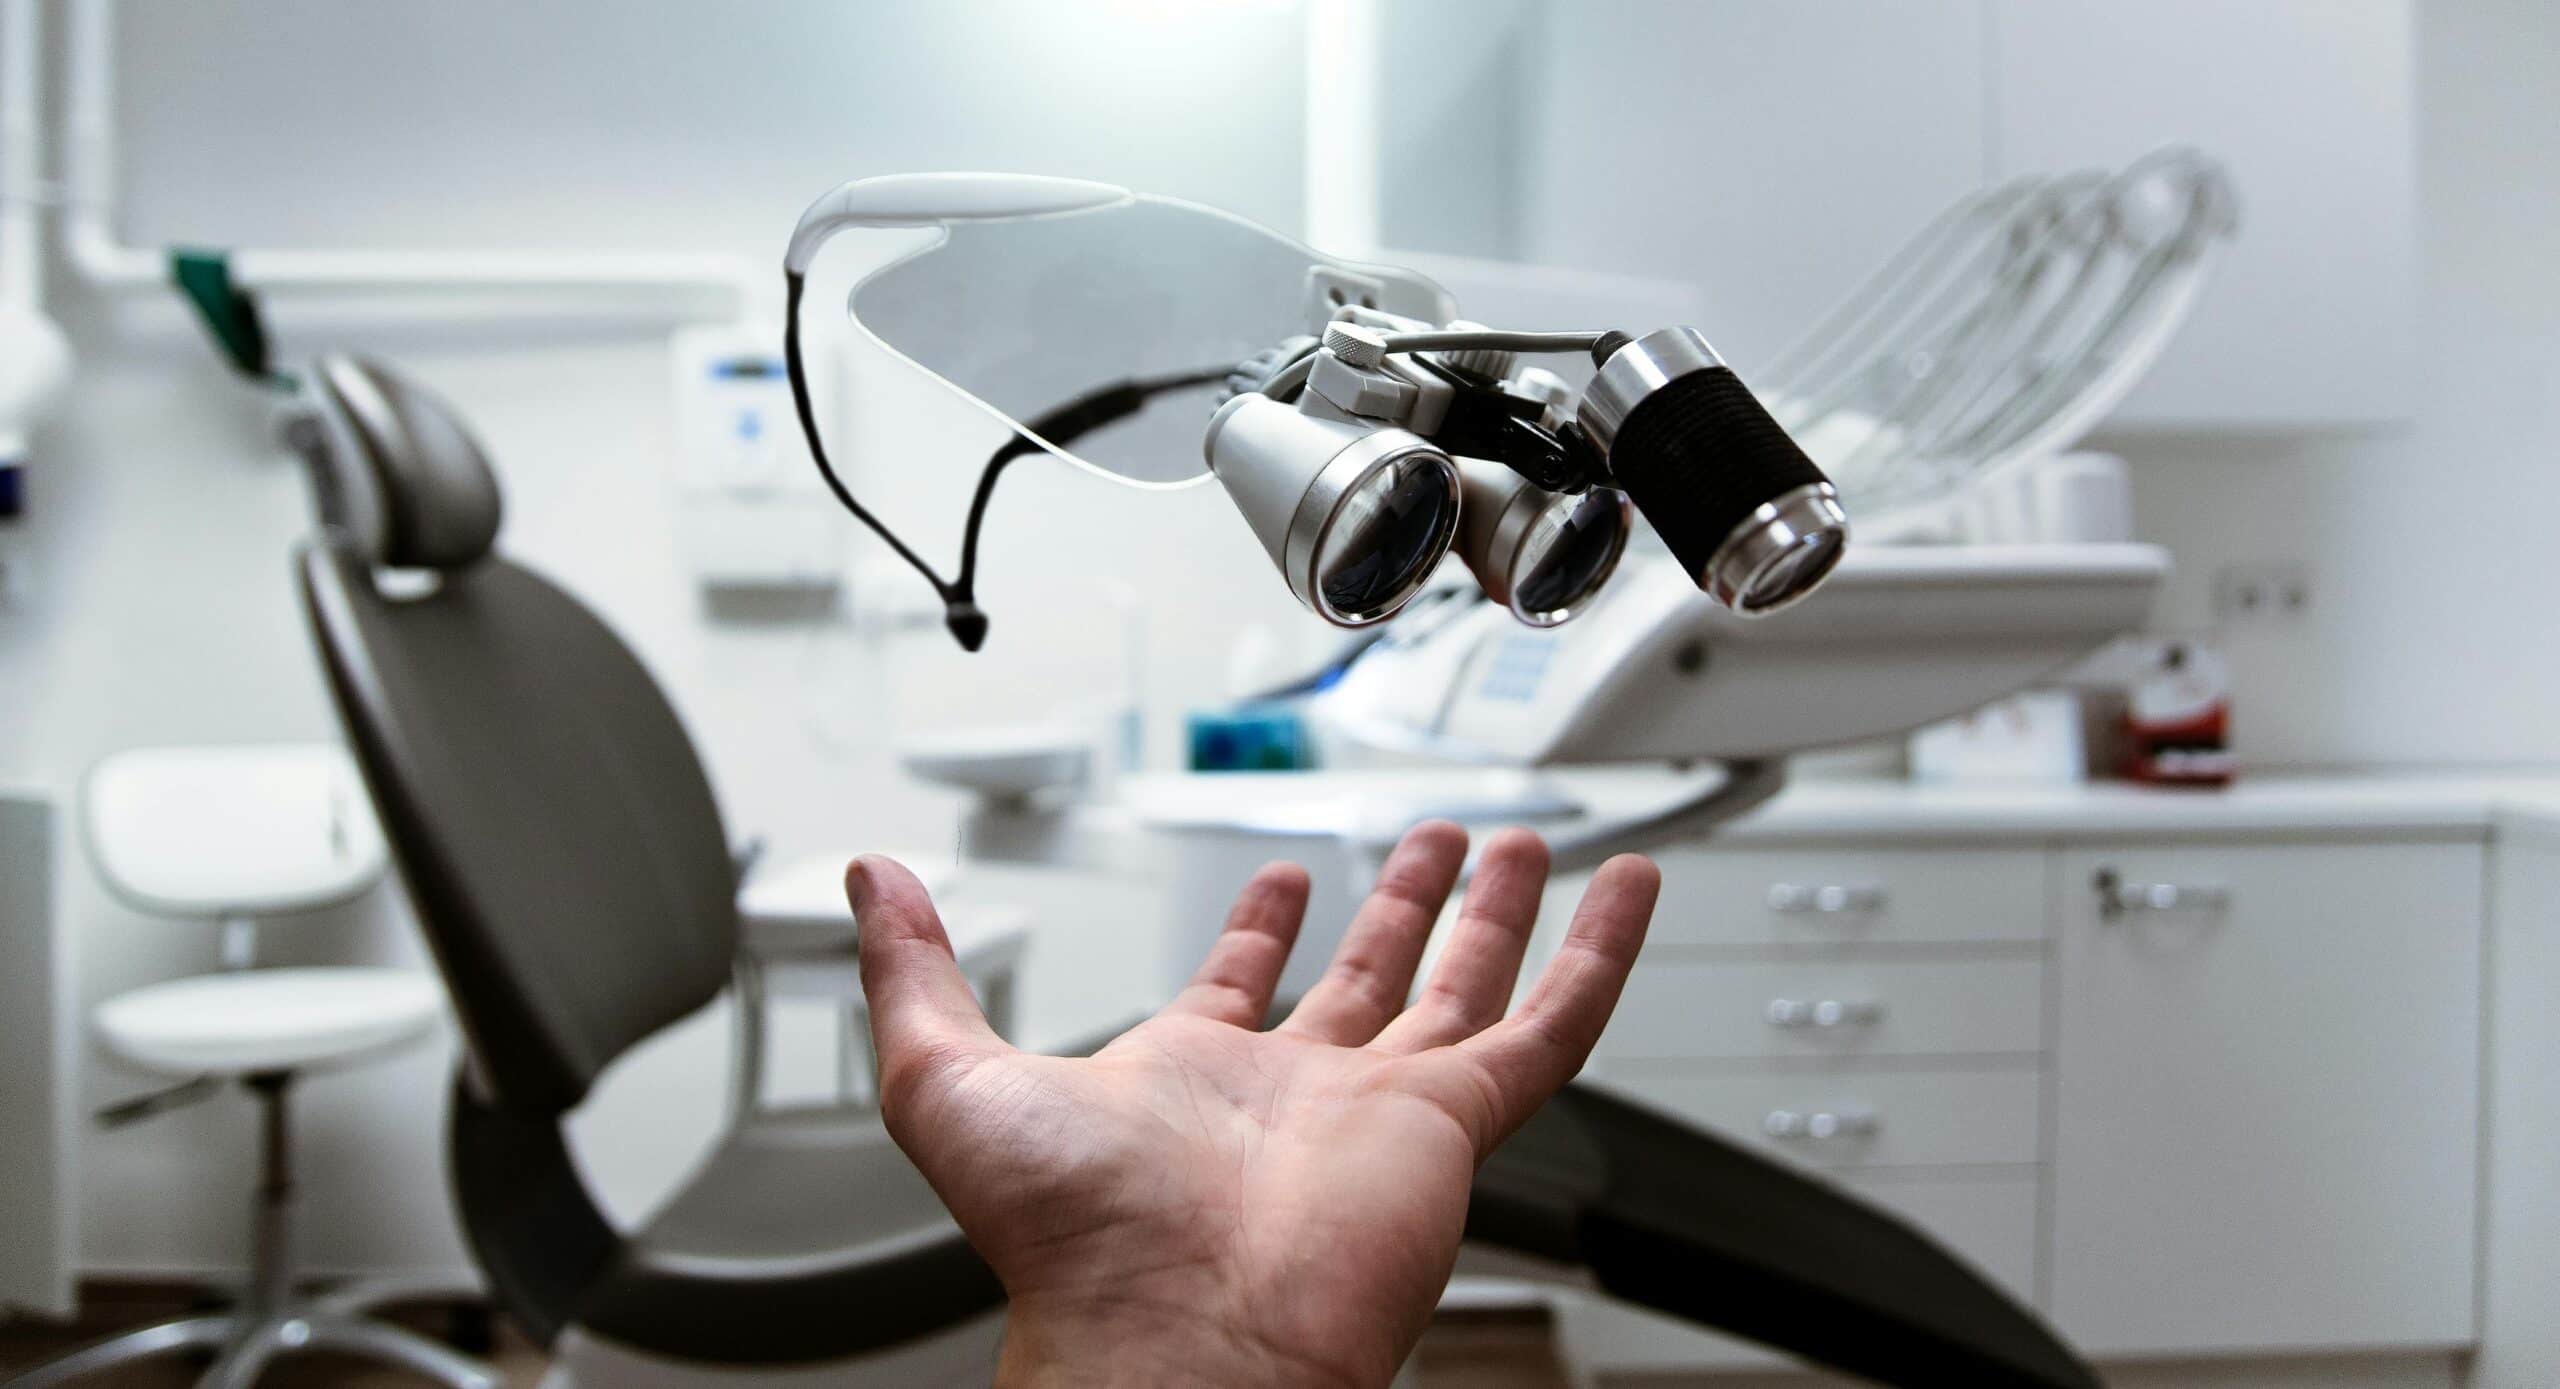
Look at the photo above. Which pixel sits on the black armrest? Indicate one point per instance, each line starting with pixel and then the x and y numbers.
pixel 1663 1215
pixel 1682 1222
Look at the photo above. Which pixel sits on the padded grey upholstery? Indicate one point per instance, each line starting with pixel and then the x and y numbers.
pixel 561 844
pixel 397 474
pixel 546 811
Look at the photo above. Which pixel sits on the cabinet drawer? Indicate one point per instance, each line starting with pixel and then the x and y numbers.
pixel 1919 1118
pixel 1847 895
pixel 1991 1222
pixel 1828 1007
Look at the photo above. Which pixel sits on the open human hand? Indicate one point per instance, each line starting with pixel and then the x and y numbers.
pixel 1204 1202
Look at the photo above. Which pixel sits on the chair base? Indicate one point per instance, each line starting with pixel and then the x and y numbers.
pixel 273 1321
pixel 245 1344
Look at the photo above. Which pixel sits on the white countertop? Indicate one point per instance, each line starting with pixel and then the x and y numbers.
pixel 2461 805
pixel 2452 805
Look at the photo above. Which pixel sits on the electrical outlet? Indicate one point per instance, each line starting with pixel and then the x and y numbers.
pixel 2261 594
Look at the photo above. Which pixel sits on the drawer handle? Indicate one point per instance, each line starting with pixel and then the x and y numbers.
pixel 1825 899
pixel 1789 1126
pixel 1825 1012
pixel 2118 898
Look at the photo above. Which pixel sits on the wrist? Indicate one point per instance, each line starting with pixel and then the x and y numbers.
pixel 1123 1343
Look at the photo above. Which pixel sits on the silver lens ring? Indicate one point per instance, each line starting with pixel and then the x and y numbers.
pixel 1552 562
pixel 1332 502
pixel 1780 553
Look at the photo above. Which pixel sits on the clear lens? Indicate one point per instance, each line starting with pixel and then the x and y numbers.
pixel 1794 572
pixel 1570 551
pixel 1386 537
pixel 1023 314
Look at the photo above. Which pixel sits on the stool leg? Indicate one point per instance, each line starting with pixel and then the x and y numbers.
pixel 271 1219
pixel 370 1294
pixel 249 1354
pixel 393 1345
pixel 193 1333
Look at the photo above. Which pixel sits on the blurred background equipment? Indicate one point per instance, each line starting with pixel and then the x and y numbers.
pixel 2003 330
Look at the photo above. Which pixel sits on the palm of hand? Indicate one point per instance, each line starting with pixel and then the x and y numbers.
pixel 1278 1179
pixel 1295 1198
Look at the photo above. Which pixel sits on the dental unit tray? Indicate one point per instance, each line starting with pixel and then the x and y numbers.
pixel 1057 308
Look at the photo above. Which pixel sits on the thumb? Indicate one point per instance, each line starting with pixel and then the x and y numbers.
pixel 923 1016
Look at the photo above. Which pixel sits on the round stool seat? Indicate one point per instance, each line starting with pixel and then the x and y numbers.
pixel 256 1020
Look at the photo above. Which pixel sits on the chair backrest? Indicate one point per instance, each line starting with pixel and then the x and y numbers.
pixel 551 822
pixel 244 831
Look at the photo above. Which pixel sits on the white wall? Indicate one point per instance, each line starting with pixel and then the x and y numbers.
pixel 163 517
pixel 1685 140
pixel 2428 549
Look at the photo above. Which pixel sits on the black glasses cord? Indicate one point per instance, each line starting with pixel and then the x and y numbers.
pixel 1063 425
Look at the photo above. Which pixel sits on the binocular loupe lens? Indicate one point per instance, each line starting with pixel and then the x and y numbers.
pixel 1781 554
pixel 1542 554
pixel 1386 536
pixel 1751 518
pixel 1357 518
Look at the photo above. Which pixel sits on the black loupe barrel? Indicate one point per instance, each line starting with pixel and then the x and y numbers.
pixel 1751 518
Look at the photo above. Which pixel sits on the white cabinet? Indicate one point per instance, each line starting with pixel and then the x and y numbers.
pixel 1775 152
pixel 1836 1005
pixel 1877 1118
pixel 2229 1106
pixel 2309 102
pixel 1874 1014
pixel 1772 152
pixel 2520 1296
pixel 1845 895
pixel 2266 1109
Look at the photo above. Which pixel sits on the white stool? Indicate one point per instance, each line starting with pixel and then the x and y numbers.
pixel 797 941
pixel 231 835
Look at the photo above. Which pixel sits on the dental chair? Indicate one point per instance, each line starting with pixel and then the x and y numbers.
pixel 568 865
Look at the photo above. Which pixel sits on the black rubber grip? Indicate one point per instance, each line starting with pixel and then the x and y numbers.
pixel 1698 455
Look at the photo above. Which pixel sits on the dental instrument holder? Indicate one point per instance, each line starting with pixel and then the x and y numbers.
pixel 2003 330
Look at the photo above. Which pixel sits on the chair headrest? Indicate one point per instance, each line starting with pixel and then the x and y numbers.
pixel 395 470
